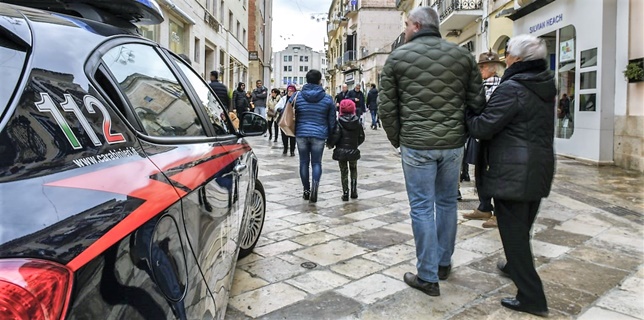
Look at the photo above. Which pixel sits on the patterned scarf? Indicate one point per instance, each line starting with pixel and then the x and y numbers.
pixel 490 85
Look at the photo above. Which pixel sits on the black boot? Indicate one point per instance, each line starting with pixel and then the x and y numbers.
pixel 306 195
pixel 345 195
pixel 314 192
pixel 285 151
pixel 354 189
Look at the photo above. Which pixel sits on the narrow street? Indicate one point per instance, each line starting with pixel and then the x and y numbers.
pixel 345 260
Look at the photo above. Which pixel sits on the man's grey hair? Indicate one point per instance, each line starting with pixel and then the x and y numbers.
pixel 527 47
pixel 426 17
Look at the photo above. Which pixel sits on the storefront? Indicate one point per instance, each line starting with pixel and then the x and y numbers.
pixel 580 36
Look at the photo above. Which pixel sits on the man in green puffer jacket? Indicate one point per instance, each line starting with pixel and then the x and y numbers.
pixel 426 85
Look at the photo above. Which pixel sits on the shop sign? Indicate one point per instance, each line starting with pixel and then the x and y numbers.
pixel 253 55
pixel 567 50
pixel 349 77
pixel 549 22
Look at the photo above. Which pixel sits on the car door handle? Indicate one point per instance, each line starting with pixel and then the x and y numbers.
pixel 240 168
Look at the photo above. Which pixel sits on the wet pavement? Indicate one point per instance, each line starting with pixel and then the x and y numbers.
pixel 345 260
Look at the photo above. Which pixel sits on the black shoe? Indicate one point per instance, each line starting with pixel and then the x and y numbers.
pixel 465 177
pixel 314 192
pixel 429 288
pixel 516 305
pixel 345 195
pixel 502 266
pixel 307 194
pixel 275 140
pixel 284 152
pixel 292 154
pixel 460 197
pixel 443 272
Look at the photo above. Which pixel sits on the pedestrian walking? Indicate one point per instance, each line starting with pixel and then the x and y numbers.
pixel 287 141
pixel 341 96
pixel 258 98
pixel 489 65
pixel 314 121
pixel 271 113
pixel 347 136
pixel 516 133
pixel 425 87
pixel 372 104
pixel 357 96
pixel 220 89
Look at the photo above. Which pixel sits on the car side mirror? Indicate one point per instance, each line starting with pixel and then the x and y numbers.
pixel 251 124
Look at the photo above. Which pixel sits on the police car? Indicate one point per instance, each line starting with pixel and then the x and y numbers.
pixel 125 190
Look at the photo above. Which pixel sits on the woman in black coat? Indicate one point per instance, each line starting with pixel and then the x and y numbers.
pixel 346 137
pixel 516 130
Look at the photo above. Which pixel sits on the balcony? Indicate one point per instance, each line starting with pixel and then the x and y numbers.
pixel 457 14
pixel 331 28
pixel 351 9
pixel 349 58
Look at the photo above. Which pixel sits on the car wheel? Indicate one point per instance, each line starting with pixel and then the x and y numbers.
pixel 256 212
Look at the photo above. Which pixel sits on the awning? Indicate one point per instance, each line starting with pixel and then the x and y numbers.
pixel 567 67
pixel 182 14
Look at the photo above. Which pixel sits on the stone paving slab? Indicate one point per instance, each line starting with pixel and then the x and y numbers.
pixel 587 241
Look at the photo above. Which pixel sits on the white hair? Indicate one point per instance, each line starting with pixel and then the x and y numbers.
pixel 426 17
pixel 527 47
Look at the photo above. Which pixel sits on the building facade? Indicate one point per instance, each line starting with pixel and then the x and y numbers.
pixel 360 35
pixel 291 65
pixel 589 44
pixel 212 33
pixel 259 40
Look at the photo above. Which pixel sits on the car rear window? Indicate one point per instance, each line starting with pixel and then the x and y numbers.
pixel 12 60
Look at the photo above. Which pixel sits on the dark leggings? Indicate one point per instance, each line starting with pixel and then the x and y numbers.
pixel 345 167
pixel 285 141
pixel 273 124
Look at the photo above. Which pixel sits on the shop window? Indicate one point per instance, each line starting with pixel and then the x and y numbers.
pixel 566 61
pixel 149 32
pixel 177 37
pixel 588 58
pixel 588 80
pixel 587 102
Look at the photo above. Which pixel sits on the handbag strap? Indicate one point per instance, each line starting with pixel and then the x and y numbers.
pixel 295 99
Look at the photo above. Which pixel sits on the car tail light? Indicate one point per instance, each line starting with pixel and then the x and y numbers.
pixel 33 289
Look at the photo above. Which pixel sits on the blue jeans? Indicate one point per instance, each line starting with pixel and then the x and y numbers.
pixel 431 178
pixel 310 150
pixel 374 117
pixel 261 111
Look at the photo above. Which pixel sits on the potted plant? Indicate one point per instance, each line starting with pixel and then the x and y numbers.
pixel 635 70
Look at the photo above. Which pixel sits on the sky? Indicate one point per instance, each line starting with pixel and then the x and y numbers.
pixel 292 23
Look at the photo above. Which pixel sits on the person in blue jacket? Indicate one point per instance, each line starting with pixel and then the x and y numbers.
pixel 314 122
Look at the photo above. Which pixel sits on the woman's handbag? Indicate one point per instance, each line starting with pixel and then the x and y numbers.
pixel 270 112
pixel 287 121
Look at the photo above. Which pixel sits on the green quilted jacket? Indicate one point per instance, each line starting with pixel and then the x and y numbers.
pixel 426 84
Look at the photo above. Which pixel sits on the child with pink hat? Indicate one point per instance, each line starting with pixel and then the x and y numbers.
pixel 346 138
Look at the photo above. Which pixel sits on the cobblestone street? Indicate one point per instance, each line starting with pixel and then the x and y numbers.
pixel 587 241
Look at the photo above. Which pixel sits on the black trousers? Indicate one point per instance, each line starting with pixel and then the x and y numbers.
pixel 515 219
pixel 285 140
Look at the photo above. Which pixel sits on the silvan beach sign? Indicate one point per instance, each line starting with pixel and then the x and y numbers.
pixel 549 22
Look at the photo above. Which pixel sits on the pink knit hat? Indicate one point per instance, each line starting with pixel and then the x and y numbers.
pixel 347 107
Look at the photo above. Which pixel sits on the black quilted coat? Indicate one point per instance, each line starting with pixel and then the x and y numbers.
pixel 347 136
pixel 516 130
pixel 425 87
